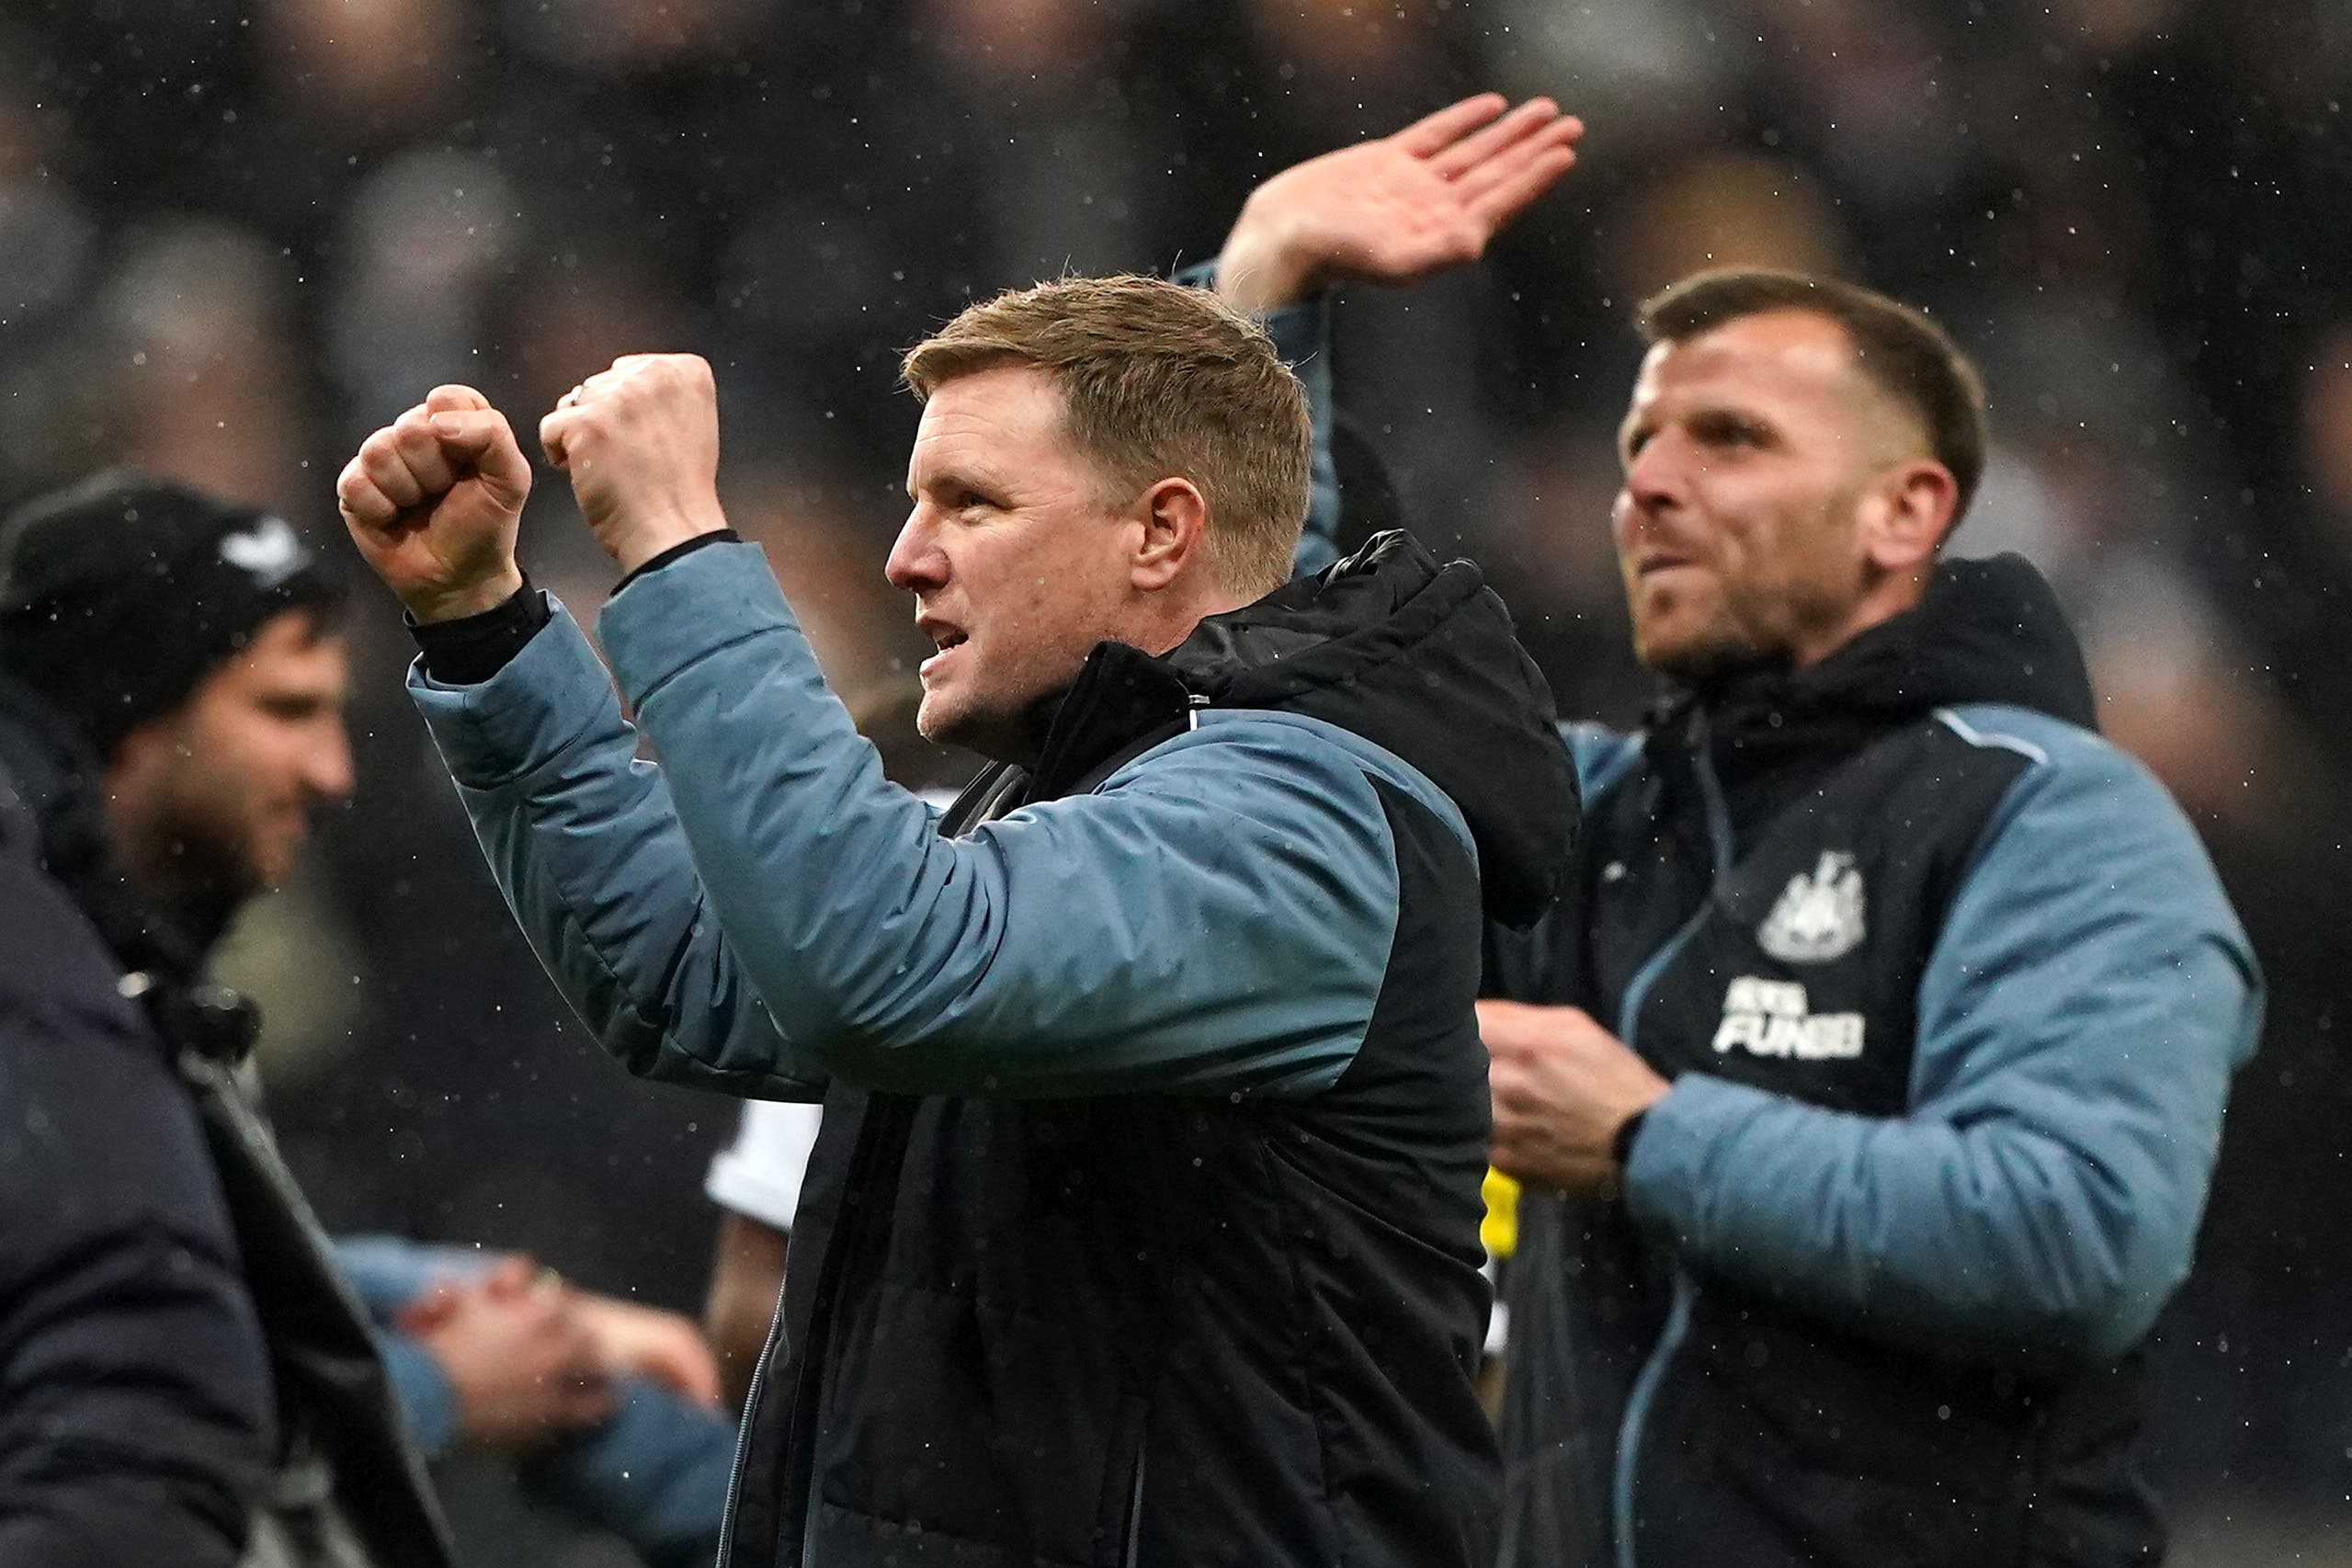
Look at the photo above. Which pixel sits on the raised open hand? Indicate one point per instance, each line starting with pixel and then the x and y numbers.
pixel 1398 209
pixel 434 501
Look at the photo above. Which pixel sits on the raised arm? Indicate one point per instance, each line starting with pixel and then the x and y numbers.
pixel 1398 210
pixel 1217 918
pixel 578 832
pixel 1393 211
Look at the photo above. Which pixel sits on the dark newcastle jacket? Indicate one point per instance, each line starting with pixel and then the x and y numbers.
pixel 1143 1224
pixel 1950 998
pixel 183 1378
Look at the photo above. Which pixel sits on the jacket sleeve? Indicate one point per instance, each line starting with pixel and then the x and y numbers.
pixel 581 839
pixel 133 1382
pixel 1216 919
pixel 1301 335
pixel 388 1273
pixel 2080 1017
pixel 656 1473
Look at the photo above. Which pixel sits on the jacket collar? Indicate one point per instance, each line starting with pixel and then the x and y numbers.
pixel 1986 631
pixel 1417 657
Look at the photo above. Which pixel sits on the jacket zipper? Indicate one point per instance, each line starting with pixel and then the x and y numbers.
pixel 1625 1480
pixel 743 1430
pixel 1134 1552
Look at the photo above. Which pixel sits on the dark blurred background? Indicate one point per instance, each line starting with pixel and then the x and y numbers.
pixel 236 236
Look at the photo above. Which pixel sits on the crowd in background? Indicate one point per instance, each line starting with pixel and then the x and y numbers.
pixel 237 234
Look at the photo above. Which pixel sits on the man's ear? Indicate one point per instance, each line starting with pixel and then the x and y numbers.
pixel 1915 510
pixel 1175 516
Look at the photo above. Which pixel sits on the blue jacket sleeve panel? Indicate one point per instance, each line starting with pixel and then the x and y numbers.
pixel 1301 335
pixel 581 839
pixel 1602 756
pixel 1216 918
pixel 2078 1022
pixel 387 1272
pixel 427 1398
pixel 654 1472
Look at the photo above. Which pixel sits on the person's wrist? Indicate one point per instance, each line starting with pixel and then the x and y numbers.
pixel 1629 1128
pixel 1261 269
pixel 473 599
pixel 663 531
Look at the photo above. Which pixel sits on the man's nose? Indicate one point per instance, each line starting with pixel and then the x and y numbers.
pixel 1658 475
pixel 330 775
pixel 916 562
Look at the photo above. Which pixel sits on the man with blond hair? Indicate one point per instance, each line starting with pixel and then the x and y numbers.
pixel 1143 1228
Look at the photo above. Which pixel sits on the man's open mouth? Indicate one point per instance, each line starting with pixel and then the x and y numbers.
pixel 947 640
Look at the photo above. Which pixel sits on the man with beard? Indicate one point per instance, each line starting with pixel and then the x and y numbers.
pixel 1872 1074
pixel 186 1375
pixel 1868 1082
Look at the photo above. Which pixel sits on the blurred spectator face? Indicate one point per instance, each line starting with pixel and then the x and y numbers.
pixel 1724 209
pixel 1017 565
pixel 817 541
pixel 365 69
pixel 220 790
pixel 2325 419
pixel 1342 40
pixel 1015 39
pixel 210 392
pixel 1751 454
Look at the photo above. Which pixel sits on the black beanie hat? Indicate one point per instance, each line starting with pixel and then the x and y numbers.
pixel 121 594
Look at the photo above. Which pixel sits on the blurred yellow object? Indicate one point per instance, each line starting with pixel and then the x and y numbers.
pixel 1500 1229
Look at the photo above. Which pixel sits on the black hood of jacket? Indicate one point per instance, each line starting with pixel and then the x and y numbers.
pixel 1986 631
pixel 1415 656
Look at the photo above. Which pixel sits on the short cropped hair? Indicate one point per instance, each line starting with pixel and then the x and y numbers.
pixel 1160 382
pixel 1909 358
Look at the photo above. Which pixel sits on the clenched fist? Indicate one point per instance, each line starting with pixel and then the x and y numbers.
pixel 434 499
pixel 518 1354
pixel 641 442
pixel 1563 1088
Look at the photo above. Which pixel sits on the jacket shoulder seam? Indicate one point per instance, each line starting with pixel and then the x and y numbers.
pixel 1367 757
pixel 1988 739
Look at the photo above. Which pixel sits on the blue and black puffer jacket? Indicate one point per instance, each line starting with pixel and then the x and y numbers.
pixel 1951 998
pixel 1144 1227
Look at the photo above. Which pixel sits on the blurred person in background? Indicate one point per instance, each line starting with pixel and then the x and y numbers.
pixel 173 683
pixel 176 1349
pixel 1046 1317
